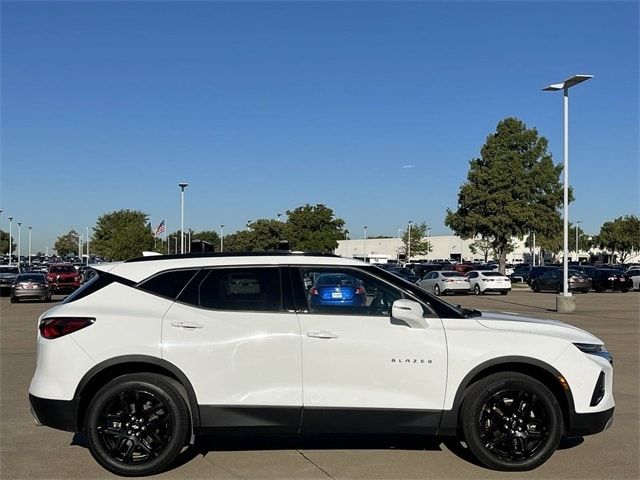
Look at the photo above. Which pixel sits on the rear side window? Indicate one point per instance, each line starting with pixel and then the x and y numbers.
pixel 237 288
pixel 168 284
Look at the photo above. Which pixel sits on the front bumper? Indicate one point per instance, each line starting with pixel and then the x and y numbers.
pixel 582 424
pixel 60 414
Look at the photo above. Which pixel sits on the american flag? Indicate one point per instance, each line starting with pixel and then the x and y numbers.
pixel 160 229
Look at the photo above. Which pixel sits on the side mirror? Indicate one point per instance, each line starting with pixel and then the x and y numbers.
pixel 409 313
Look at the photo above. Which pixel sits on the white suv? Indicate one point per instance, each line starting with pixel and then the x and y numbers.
pixel 155 350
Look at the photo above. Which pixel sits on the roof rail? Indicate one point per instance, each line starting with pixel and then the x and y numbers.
pixel 269 253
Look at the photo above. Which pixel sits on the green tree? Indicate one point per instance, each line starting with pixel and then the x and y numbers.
pixel 621 235
pixel 67 244
pixel 122 234
pixel 419 242
pixel 241 241
pixel 4 243
pixel 511 190
pixel 483 246
pixel 313 228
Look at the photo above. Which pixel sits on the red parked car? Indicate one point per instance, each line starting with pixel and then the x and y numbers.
pixel 63 278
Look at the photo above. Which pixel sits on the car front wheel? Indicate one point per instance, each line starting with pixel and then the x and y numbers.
pixel 436 290
pixel 476 289
pixel 137 424
pixel 511 421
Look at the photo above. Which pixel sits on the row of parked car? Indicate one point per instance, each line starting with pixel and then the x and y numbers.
pixel 481 279
pixel 41 282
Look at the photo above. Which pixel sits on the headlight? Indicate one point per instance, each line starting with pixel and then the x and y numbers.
pixel 594 349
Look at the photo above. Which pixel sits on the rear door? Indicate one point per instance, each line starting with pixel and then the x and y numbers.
pixel 237 339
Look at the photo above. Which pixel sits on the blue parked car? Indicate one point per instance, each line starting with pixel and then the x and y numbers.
pixel 337 289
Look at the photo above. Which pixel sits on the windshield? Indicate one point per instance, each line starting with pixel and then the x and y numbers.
pixel 492 274
pixel 33 277
pixel 450 274
pixel 63 269
pixel 9 270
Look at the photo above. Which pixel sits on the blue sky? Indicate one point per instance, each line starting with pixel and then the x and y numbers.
pixel 372 108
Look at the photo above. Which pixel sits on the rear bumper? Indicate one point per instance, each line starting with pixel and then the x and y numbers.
pixel 30 293
pixel 60 414
pixel 589 423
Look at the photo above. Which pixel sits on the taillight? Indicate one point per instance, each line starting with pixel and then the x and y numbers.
pixel 77 279
pixel 313 291
pixel 51 328
pixel 359 291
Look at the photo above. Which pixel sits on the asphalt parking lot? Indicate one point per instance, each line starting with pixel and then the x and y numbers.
pixel 29 451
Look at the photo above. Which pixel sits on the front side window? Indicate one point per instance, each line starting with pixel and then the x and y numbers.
pixel 249 289
pixel 346 291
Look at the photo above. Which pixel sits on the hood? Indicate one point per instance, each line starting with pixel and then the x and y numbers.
pixel 536 326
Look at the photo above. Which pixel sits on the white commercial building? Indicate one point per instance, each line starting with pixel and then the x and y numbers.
pixel 444 247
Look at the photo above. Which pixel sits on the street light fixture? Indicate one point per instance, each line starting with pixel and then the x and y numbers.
pixel 409 243
pixel 222 237
pixel 182 186
pixel 565 86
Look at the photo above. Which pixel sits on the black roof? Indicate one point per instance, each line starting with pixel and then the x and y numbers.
pixel 270 253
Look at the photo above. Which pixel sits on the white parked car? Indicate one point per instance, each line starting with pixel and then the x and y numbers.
pixel 483 281
pixel 156 350
pixel 442 282
pixel 634 275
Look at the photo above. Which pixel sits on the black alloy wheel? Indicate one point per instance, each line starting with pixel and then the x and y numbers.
pixel 511 422
pixel 137 424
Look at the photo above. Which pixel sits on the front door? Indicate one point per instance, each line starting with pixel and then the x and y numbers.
pixel 362 370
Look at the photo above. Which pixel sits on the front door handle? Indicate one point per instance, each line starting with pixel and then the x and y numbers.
pixel 322 334
pixel 188 325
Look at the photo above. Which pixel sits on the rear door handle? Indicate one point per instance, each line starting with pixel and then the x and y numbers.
pixel 322 334
pixel 188 325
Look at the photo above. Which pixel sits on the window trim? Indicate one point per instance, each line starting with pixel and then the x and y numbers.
pixel 140 284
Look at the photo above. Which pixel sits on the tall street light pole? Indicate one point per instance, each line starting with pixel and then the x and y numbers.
pixel 365 243
pixel 30 245
pixel 399 243
pixel 10 234
pixel 19 241
pixel 577 242
pixel 565 305
pixel 222 237
pixel 182 187
pixel 88 245
pixel 428 241
pixel 409 243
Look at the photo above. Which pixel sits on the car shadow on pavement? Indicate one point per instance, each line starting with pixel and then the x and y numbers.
pixel 213 443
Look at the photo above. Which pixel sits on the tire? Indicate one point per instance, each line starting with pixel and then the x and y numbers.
pixel 14 299
pixel 503 293
pixel 137 424
pixel 535 287
pixel 476 289
pixel 436 291
pixel 511 421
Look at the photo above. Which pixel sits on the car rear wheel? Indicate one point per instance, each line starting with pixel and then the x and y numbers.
pixel 511 421
pixel 137 424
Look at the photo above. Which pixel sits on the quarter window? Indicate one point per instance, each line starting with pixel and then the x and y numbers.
pixel 250 289
pixel 168 284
